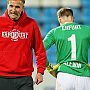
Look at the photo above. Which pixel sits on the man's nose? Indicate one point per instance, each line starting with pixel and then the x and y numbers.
pixel 13 9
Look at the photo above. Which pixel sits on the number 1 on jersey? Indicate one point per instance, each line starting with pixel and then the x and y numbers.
pixel 73 46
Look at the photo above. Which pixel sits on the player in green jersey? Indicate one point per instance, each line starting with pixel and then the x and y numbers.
pixel 72 42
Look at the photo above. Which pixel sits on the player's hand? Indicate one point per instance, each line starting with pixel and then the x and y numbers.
pixel 53 69
pixel 38 78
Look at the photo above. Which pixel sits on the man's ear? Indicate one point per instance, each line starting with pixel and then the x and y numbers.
pixel 73 19
pixel 23 8
pixel 59 19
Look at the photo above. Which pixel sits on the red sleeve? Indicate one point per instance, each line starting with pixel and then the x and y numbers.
pixel 39 50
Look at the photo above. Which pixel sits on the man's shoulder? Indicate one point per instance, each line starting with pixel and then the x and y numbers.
pixel 2 18
pixel 85 26
pixel 31 19
pixel 56 28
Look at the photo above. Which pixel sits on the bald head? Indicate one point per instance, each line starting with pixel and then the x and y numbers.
pixel 17 0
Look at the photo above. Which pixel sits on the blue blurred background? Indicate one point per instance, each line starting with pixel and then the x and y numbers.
pixel 44 12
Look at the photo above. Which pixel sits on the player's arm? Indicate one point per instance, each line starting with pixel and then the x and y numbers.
pixel 49 40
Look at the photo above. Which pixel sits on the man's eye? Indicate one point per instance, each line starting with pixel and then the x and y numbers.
pixel 11 5
pixel 17 6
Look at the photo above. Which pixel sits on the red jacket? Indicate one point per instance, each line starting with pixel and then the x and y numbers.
pixel 17 40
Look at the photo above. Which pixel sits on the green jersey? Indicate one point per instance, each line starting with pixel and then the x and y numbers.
pixel 72 42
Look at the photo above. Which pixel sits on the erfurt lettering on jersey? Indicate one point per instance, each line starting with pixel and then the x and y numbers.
pixel 73 64
pixel 71 27
pixel 14 35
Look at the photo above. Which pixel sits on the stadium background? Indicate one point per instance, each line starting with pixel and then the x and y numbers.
pixel 44 12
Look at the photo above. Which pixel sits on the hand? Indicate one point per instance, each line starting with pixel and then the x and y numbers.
pixel 38 78
pixel 53 69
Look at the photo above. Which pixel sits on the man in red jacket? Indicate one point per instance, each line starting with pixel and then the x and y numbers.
pixel 19 34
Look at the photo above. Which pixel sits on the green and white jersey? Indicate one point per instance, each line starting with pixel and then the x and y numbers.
pixel 72 42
